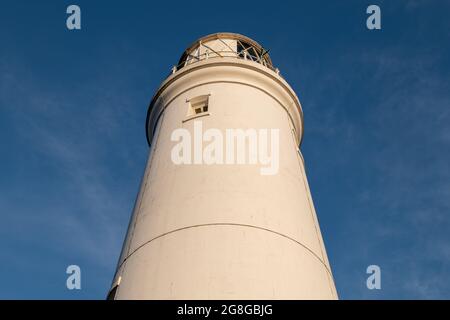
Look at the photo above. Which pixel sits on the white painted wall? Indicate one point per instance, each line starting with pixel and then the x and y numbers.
pixel 225 231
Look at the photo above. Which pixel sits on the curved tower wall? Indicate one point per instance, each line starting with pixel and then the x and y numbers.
pixel 224 231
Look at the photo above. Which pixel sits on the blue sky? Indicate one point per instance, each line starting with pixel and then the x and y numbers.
pixel 376 144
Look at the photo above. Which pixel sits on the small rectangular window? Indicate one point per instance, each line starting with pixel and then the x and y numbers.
pixel 198 105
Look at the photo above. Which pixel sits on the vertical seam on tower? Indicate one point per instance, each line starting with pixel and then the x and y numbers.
pixel 303 174
pixel 150 161
pixel 301 163
pixel 321 245
pixel 145 182
pixel 315 221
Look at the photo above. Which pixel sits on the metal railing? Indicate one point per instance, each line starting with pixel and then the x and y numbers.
pixel 212 54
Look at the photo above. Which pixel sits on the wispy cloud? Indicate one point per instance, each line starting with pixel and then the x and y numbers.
pixel 69 133
pixel 384 164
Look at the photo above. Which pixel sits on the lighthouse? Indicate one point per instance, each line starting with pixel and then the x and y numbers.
pixel 224 209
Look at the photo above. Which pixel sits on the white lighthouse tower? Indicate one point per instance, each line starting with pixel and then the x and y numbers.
pixel 224 230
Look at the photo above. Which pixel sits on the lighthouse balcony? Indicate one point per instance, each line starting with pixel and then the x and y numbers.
pixel 225 45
